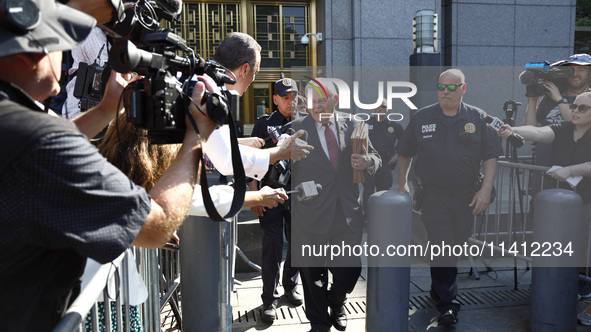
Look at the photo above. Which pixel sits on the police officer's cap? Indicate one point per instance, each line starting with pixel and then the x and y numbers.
pixel 282 87
pixel 41 26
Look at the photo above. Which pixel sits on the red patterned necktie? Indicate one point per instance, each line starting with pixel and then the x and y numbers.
pixel 331 144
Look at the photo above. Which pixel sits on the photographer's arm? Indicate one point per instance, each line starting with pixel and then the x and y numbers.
pixel 531 112
pixel 554 94
pixel 205 125
pixel 257 209
pixel 171 196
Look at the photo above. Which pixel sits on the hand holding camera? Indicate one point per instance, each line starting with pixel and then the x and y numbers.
pixel 553 91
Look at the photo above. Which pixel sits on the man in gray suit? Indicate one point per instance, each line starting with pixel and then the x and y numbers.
pixel 334 217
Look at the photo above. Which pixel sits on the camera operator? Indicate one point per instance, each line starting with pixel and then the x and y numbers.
pixel 241 54
pixel 554 106
pixel 61 200
pixel 272 220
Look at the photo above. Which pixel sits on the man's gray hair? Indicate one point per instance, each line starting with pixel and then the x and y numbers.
pixel 236 49
pixel 322 84
pixel 456 72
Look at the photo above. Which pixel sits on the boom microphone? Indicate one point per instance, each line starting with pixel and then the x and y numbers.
pixel 496 124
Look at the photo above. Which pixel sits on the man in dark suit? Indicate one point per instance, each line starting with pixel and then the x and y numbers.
pixel 334 217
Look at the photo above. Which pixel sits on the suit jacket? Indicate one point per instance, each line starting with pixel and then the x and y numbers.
pixel 317 214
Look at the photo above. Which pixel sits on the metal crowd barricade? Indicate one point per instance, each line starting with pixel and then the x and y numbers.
pixel 160 270
pixel 87 301
pixel 508 223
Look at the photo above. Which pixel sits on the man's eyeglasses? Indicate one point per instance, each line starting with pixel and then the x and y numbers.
pixel 382 106
pixel 450 87
pixel 319 102
pixel 579 108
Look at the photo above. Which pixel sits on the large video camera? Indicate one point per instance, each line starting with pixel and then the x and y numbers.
pixel 537 72
pixel 158 102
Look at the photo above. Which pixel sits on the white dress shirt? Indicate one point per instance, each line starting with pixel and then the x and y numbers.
pixel 217 148
pixel 320 128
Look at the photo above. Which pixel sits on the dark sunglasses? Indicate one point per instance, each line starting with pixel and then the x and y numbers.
pixel 450 87
pixel 579 108
pixel 382 106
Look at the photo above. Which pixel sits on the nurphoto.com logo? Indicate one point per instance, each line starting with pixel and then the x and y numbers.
pixel 344 93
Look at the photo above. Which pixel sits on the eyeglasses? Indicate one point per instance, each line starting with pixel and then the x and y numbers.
pixel 382 106
pixel 579 108
pixel 450 87
pixel 320 101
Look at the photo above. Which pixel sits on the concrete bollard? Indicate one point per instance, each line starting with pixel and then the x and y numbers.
pixel 204 269
pixel 388 278
pixel 558 218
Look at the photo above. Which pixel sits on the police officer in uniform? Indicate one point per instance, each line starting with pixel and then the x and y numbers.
pixel 269 128
pixel 383 133
pixel 450 140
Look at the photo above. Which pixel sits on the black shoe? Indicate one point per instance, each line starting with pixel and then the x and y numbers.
pixel 294 297
pixel 269 314
pixel 450 317
pixel 319 330
pixel 338 316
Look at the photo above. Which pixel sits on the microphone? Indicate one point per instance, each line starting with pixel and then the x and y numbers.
pixel 306 190
pixel 496 124
pixel 276 132
pixel 174 7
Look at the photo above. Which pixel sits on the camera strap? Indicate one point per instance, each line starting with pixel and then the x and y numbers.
pixel 239 177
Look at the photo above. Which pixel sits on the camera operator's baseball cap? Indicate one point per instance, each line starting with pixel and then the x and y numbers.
pixel 581 59
pixel 41 26
pixel 282 87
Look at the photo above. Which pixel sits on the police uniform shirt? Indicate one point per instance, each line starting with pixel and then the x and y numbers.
pixel 268 127
pixel 383 136
pixel 449 149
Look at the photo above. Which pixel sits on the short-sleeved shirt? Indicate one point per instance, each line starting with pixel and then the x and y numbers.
pixel 61 202
pixel 269 128
pixel 566 152
pixel 548 112
pixel 267 125
pixel 449 149
pixel 384 135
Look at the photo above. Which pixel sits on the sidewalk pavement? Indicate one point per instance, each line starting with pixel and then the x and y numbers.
pixel 489 303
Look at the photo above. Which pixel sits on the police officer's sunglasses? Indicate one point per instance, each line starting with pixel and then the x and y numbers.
pixel 579 108
pixel 450 87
